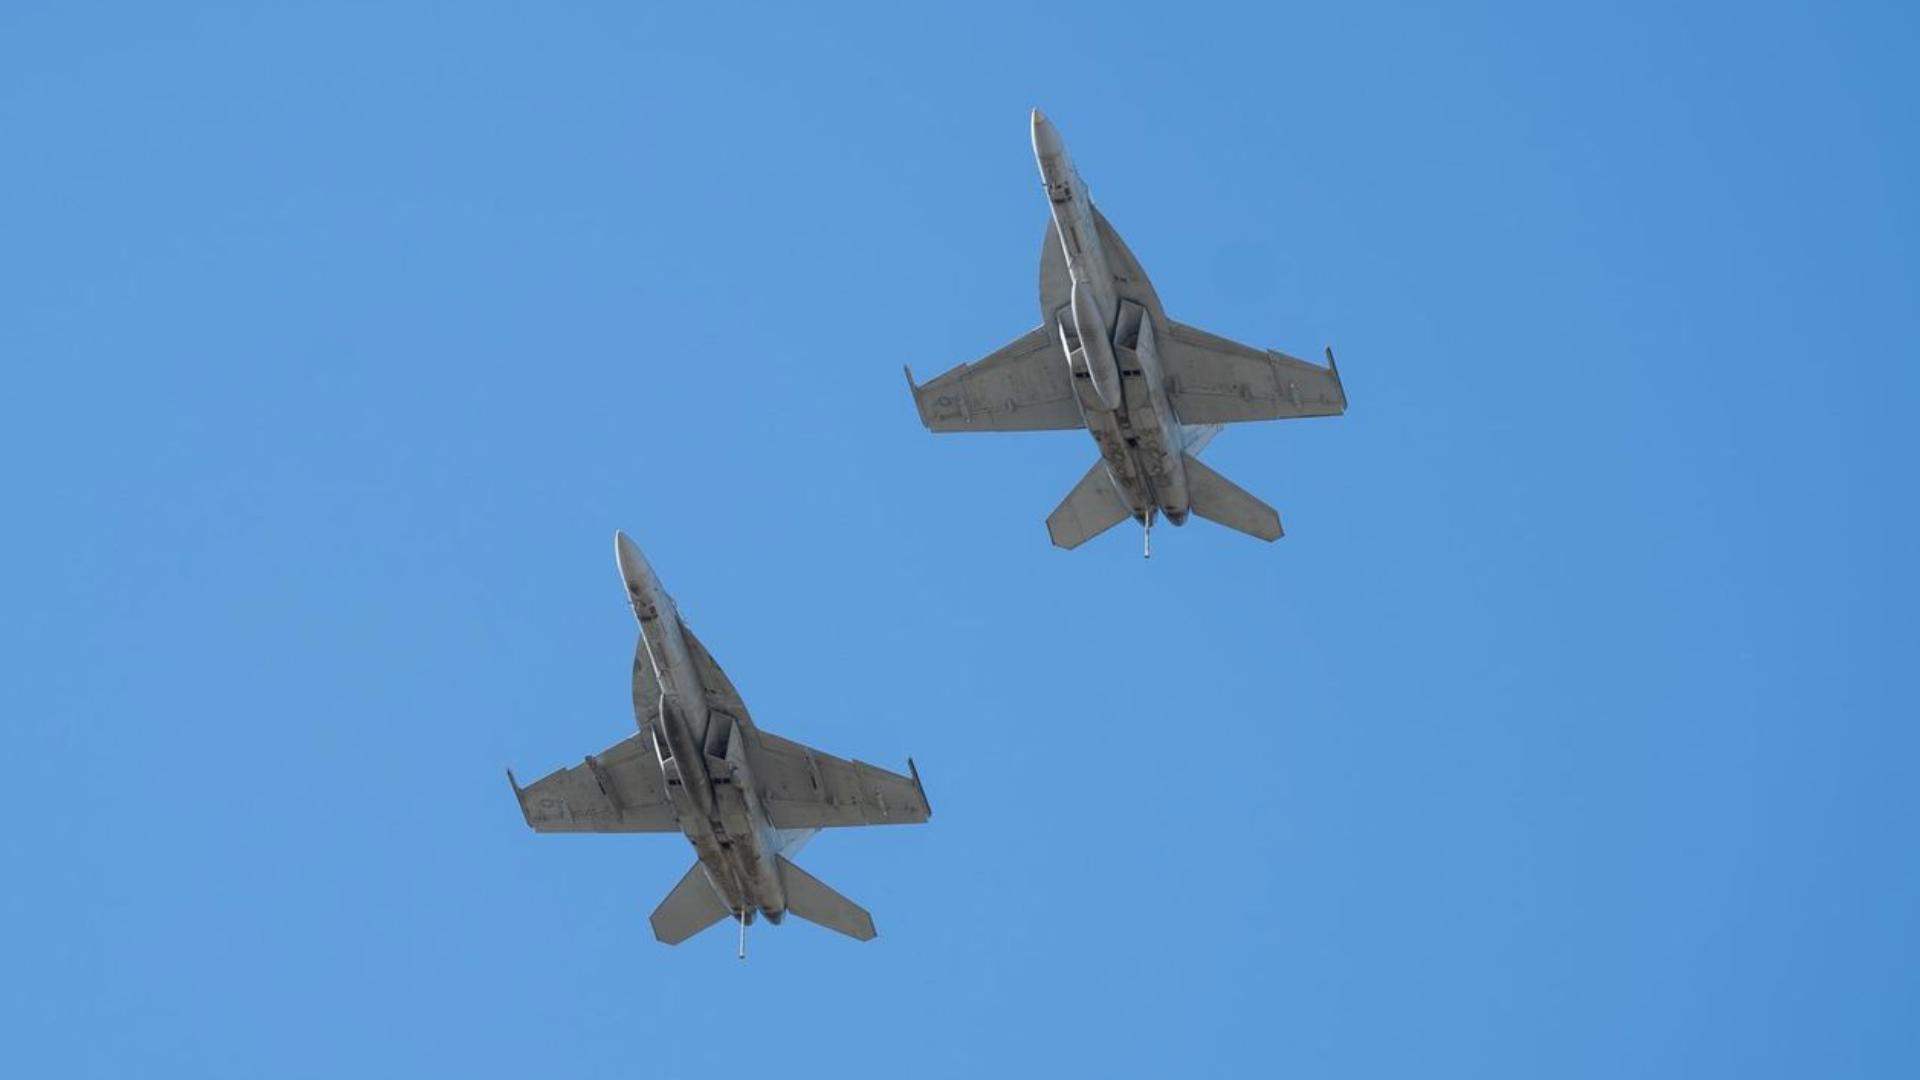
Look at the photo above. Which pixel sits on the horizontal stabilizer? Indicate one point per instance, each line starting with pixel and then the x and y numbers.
pixel 1091 508
pixel 691 907
pixel 1220 500
pixel 814 902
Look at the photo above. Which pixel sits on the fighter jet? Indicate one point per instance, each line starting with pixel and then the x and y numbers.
pixel 746 799
pixel 1152 392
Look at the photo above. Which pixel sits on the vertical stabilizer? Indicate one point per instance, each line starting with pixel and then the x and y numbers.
pixel 808 898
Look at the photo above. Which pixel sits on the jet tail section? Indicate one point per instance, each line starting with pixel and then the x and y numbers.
pixel 808 898
pixel 691 907
pixel 1220 500
pixel 1091 508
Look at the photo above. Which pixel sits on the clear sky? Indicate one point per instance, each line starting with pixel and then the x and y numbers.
pixel 1570 732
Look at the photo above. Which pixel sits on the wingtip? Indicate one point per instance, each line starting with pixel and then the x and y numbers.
pixel 520 796
pixel 914 770
pixel 1334 366
pixel 919 403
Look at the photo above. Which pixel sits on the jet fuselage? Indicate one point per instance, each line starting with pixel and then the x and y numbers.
pixel 1111 345
pixel 703 755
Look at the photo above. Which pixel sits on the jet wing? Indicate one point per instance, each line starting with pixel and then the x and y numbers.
pixel 620 790
pixel 1216 381
pixel 1023 386
pixel 803 788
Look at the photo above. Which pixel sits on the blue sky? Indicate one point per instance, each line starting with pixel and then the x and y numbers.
pixel 1568 733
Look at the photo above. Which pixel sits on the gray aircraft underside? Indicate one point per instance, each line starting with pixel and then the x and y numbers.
pixel 1152 392
pixel 746 799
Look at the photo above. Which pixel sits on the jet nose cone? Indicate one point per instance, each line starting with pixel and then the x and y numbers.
pixel 633 565
pixel 1046 138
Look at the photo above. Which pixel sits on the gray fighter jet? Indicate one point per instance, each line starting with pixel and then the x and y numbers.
pixel 1152 392
pixel 745 798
